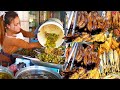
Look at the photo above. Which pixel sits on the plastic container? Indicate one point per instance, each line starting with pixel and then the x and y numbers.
pixel 52 25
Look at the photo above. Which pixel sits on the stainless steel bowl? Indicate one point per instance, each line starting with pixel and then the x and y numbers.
pixel 5 73
pixel 37 72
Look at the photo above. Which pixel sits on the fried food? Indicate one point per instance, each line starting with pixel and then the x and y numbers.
pixel 114 44
pixel 87 55
pixel 78 39
pixel 116 60
pixel 83 37
pixel 99 37
pixel 107 45
pixel 83 74
pixel 82 19
pixel 115 16
pixel 89 24
pixel 78 73
pixel 108 15
pixel 116 32
pixel 79 54
pixel 75 76
pixel 94 74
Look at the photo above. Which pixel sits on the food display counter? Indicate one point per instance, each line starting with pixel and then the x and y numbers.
pixel 88 47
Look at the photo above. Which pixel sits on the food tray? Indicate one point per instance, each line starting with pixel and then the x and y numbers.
pixel 36 61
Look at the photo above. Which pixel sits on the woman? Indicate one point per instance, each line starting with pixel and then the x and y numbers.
pixel 10 28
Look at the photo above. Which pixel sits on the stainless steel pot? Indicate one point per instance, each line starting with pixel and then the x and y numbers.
pixel 5 73
pixel 37 72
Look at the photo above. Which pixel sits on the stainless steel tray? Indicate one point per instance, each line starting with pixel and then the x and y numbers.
pixel 36 61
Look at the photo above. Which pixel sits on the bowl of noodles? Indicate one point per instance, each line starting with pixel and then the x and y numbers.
pixel 51 33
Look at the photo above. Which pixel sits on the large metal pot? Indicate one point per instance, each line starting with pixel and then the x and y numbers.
pixel 6 73
pixel 37 72
pixel 52 25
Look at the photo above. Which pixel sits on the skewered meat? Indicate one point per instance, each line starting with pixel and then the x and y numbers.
pixel 116 60
pixel 108 19
pixel 99 37
pixel 70 37
pixel 110 43
pixel 68 50
pixel 111 76
pixel 88 56
pixel 77 74
pixel 116 32
pixel 111 62
pixel 107 45
pixel 82 19
pixel 95 15
pixel 78 39
pixel 99 22
pixel 114 44
pixel 115 16
pixel 108 52
pixel 89 24
pixel 101 63
pixel 83 74
pixel 95 21
pixel 108 15
pixel 79 53
pixel 83 37
pixel 119 18
pixel 94 74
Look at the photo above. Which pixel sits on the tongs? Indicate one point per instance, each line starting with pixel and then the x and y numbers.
pixel 70 21
pixel 74 49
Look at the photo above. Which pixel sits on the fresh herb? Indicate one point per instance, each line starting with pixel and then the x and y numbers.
pixel 51 40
